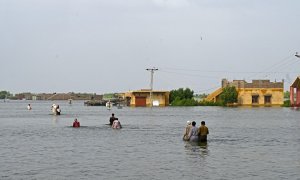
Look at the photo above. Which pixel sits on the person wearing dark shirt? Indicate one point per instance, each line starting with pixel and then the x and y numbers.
pixel 57 110
pixel 203 132
pixel 112 118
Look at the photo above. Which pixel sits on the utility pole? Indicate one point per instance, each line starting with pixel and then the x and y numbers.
pixel 151 83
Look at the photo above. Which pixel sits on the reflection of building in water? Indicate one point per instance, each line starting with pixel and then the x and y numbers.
pixel 256 93
pixel 295 93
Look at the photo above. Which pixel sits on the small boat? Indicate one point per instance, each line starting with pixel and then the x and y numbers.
pixel 95 103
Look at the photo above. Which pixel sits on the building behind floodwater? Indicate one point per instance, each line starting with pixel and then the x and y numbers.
pixel 256 93
pixel 295 93
pixel 59 96
pixel 146 97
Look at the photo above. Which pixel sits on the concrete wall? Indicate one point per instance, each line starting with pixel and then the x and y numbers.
pixel 161 97
pixel 245 96
pixel 246 90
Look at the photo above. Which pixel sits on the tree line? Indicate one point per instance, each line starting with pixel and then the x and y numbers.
pixel 229 96
pixel 186 97
pixel 5 94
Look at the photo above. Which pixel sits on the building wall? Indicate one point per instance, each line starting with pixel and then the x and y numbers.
pixel 140 94
pixel 245 95
pixel 161 97
pixel 297 97
pixel 256 87
pixel 295 93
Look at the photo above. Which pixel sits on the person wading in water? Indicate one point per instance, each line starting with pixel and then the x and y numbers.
pixel 203 132
pixel 112 118
pixel 76 124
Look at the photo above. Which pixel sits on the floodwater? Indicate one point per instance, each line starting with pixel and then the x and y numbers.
pixel 244 143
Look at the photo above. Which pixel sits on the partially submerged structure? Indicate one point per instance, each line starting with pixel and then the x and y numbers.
pixel 256 93
pixel 147 97
pixel 295 93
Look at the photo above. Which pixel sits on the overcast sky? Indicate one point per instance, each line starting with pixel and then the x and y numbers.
pixel 103 46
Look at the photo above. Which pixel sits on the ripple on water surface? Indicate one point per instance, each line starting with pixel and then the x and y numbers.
pixel 244 143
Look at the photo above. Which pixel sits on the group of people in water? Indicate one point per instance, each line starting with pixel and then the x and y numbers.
pixel 191 132
pixel 113 122
pixel 194 134
pixel 54 108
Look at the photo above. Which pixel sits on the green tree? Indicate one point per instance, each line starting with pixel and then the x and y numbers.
pixel 203 95
pixel 182 97
pixel 4 94
pixel 209 103
pixel 229 96
pixel 286 103
pixel 287 94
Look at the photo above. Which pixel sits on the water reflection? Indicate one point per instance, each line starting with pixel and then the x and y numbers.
pixel 197 148
pixel 54 119
pixel 150 144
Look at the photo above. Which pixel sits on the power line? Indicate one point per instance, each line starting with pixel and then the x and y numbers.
pixel 283 62
pixel 205 90
pixel 267 71
pixel 237 72
pixel 280 67
pixel 188 74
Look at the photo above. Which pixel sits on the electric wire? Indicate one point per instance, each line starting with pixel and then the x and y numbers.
pixel 282 66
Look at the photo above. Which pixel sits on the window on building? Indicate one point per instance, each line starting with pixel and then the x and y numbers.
pixel 254 99
pixel 268 99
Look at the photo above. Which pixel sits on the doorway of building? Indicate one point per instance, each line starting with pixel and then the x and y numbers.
pixel 140 101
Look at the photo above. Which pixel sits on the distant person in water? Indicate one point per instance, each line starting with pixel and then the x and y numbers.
pixel 193 135
pixel 29 107
pixel 112 118
pixel 116 124
pixel 203 132
pixel 187 130
pixel 57 110
pixel 76 123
